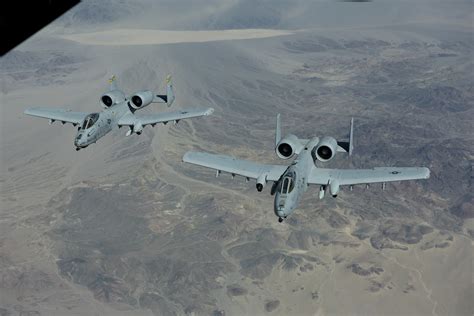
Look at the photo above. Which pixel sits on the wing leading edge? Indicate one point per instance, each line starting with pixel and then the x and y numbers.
pixel 151 119
pixel 232 165
pixel 54 114
pixel 365 176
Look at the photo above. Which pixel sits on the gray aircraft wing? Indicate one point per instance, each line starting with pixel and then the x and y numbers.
pixel 152 119
pixel 55 114
pixel 232 165
pixel 364 176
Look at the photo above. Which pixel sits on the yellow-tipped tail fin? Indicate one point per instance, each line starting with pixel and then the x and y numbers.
pixel 113 83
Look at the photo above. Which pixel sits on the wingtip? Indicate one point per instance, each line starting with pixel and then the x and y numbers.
pixel 186 156
pixel 28 111
pixel 209 111
pixel 427 172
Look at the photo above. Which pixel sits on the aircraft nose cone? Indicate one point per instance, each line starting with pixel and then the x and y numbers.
pixel 78 142
pixel 280 212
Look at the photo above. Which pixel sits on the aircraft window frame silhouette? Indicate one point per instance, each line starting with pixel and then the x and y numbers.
pixel 288 183
pixel 284 187
pixel 90 120
pixel 292 185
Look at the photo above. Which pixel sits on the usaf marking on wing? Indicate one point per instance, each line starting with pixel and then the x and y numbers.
pixel 290 182
pixel 119 111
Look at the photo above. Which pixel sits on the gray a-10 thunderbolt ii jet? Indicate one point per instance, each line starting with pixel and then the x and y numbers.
pixel 119 110
pixel 290 182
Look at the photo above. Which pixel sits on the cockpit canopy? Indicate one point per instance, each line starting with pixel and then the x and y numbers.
pixel 90 120
pixel 288 182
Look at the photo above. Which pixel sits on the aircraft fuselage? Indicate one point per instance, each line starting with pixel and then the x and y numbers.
pixel 97 125
pixel 293 183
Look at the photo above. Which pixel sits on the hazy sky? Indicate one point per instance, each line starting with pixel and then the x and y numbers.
pixel 293 14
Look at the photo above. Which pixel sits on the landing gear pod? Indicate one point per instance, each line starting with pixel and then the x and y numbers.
pixel 261 182
pixel 322 192
pixel 334 188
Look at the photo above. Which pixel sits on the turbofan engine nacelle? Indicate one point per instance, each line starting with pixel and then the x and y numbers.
pixel 141 99
pixel 261 182
pixel 111 98
pixel 138 128
pixel 325 150
pixel 286 148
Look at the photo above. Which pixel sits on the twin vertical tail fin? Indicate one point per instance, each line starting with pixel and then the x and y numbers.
pixel 277 130
pixel 351 138
pixel 348 146
pixel 344 146
pixel 167 98
pixel 169 91
pixel 113 83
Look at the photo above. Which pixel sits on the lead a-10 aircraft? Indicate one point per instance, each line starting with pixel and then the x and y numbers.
pixel 290 182
pixel 119 111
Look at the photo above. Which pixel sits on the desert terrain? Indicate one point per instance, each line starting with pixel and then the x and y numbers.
pixel 125 228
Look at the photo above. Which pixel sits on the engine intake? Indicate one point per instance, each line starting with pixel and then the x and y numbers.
pixel 286 148
pixel 111 98
pixel 325 150
pixel 141 99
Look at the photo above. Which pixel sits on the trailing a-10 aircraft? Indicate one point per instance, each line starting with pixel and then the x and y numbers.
pixel 290 182
pixel 119 111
